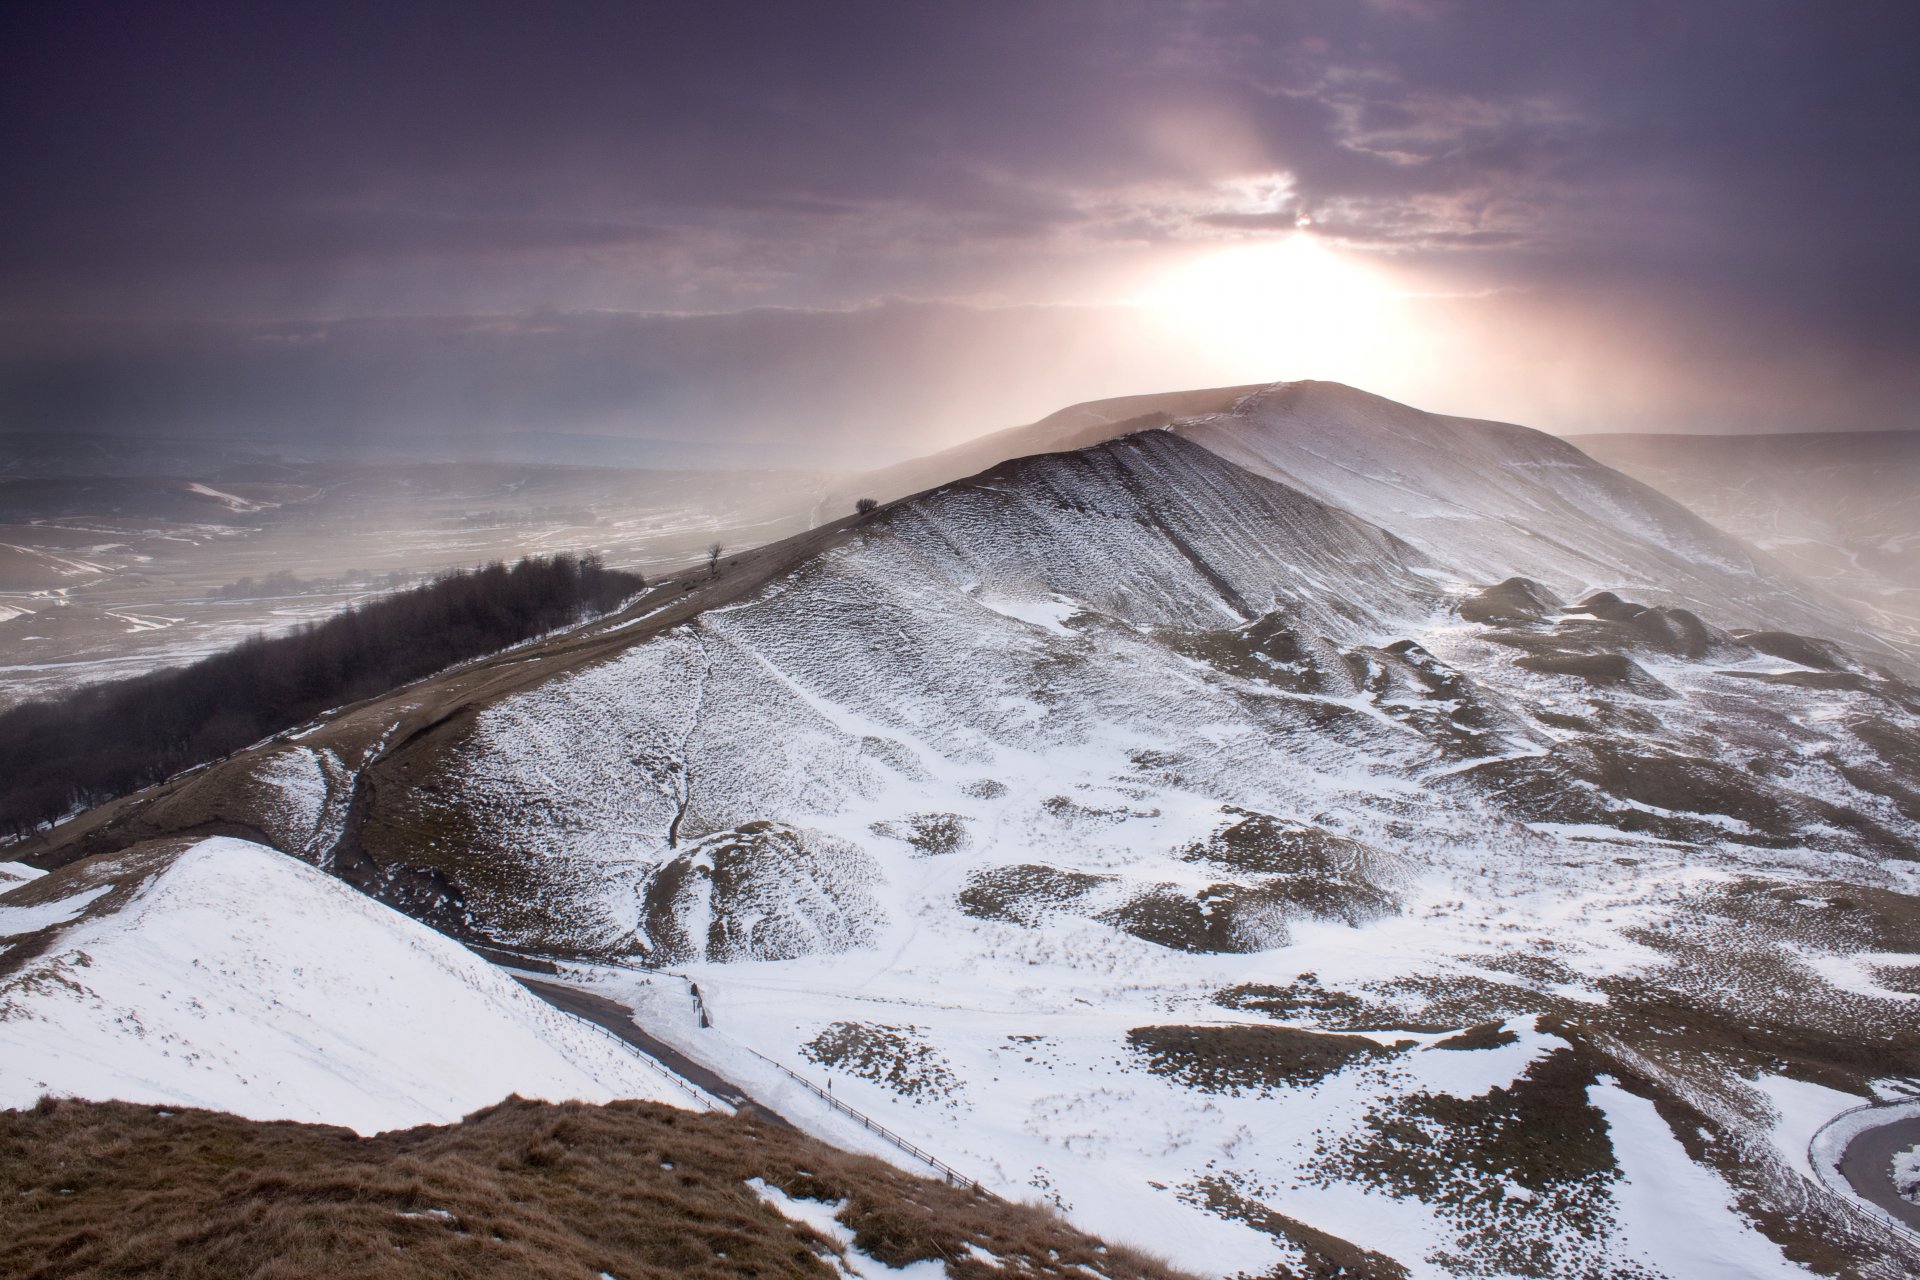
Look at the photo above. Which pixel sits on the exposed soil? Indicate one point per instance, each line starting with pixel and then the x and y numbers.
pixel 933 834
pixel 1520 601
pixel 1268 649
pixel 1024 894
pixel 1488 1035
pixel 1327 1257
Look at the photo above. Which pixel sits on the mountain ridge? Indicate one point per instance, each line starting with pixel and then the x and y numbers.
pixel 1583 526
pixel 1086 817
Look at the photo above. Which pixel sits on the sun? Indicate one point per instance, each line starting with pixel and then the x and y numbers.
pixel 1290 308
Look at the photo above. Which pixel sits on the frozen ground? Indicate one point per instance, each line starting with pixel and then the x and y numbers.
pixel 1037 821
pixel 1230 857
pixel 235 978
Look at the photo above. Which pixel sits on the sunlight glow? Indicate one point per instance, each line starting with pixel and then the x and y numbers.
pixel 1291 308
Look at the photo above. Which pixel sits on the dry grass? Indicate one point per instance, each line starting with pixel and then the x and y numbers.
pixel 1232 1059
pixel 898 1057
pixel 635 1190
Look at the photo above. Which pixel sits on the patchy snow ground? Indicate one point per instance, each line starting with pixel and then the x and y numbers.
pixel 956 816
pixel 1146 837
pixel 239 979
pixel 851 1261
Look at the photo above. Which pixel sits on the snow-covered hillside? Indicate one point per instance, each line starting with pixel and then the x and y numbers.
pixel 225 975
pixel 1331 861
pixel 1491 500
pixel 1145 835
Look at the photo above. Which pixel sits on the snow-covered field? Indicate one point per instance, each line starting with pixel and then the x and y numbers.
pixel 238 979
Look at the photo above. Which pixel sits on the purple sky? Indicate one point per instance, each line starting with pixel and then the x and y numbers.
pixel 886 226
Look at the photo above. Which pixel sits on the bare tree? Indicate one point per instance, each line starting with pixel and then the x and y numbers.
pixel 866 506
pixel 714 551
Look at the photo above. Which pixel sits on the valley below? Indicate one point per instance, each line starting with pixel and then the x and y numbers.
pixel 108 571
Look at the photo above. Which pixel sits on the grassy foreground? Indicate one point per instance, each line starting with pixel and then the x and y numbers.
pixel 632 1190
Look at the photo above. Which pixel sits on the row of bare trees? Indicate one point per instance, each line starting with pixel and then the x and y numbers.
pixel 112 739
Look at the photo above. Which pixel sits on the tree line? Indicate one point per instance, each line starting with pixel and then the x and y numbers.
pixel 112 739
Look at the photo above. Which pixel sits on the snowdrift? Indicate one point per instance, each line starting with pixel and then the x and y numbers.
pixel 231 977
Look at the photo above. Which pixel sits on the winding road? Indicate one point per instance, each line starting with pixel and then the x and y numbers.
pixel 618 1019
pixel 1867 1165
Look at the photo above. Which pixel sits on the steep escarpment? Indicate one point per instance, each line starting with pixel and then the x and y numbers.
pixel 998 619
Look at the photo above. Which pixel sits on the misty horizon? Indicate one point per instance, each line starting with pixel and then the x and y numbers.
pixel 867 232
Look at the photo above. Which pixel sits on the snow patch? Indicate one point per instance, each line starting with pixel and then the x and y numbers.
pixel 15 921
pixel 1677 1215
pixel 1800 1109
pixel 1855 973
pixel 1049 613
pixel 1906 1174
pixel 243 980
pixel 823 1218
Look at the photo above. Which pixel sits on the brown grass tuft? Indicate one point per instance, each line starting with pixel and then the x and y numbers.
pixel 637 1190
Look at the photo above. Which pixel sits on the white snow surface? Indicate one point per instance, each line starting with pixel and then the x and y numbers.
pixel 1491 499
pixel 239 979
pixel 1677 1215
pixel 1906 1174
pixel 851 1262
pixel 15 921
pixel 1801 1108
pixel 1049 614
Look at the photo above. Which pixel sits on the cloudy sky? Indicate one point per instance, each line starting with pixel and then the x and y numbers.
pixel 872 229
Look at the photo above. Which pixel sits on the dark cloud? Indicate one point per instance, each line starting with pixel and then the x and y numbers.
pixel 1751 161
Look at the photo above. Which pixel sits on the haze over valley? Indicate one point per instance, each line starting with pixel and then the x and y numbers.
pixel 868 640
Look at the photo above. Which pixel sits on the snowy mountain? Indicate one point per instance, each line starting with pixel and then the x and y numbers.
pixel 1840 509
pixel 224 975
pixel 1492 500
pixel 1311 834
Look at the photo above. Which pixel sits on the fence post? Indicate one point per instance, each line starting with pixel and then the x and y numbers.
pixel 952 1175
